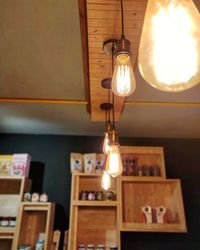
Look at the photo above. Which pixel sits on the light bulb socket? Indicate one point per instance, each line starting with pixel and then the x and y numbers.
pixel 113 137
pixel 123 47
pixel 109 45
pixel 106 83
pixel 106 106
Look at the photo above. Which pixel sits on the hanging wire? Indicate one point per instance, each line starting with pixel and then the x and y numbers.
pixel 113 96
pixel 122 18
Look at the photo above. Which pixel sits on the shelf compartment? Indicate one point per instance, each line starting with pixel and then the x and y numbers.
pixel 36 218
pixel 149 156
pixel 137 193
pixel 97 226
pixel 9 205
pixel 96 203
pixel 5 244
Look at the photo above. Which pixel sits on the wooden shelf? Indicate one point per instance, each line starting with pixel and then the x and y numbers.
pixel 96 203
pixel 140 178
pixel 7 230
pixel 85 174
pixel 36 206
pixel 153 227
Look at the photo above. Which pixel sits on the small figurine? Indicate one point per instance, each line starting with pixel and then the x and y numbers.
pixel 161 215
pixel 146 214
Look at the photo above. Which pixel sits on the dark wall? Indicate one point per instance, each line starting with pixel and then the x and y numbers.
pixel 182 159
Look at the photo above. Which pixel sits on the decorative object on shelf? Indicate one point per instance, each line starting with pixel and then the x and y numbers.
pixel 100 247
pixel 169 51
pixel 161 215
pixel 146 214
pixel 35 197
pixel 89 163
pixel 25 247
pixel 5 221
pixel 99 196
pixel 76 162
pixel 109 196
pixel 90 247
pixel 39 245
pixel 91 196
pixel 106 181
pixel 44 197
pixel 5 164
pixel 20 165
pixel 12 222
pixel 129 166
pixel 123 80
pixel 114 247
pixel 27 197
pixel 83 195
pixel 81 247
pixel 100 160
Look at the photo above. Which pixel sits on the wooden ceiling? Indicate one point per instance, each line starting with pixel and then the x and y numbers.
pixel 101 20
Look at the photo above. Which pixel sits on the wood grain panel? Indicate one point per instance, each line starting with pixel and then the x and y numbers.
pixel 103 22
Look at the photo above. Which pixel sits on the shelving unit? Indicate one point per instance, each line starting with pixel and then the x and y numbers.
pixel 11 194
pixel 101 222
pixel 137 193
pixel 35 219
pixel 146 156
pixel 87 220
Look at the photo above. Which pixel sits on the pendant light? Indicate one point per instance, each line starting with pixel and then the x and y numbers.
pixel 113 164
pixel 106 181
pixel 106 84
pixel 123 81
pixel 169 52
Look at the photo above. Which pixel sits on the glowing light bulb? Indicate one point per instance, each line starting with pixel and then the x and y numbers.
pixel 123 81
pixel 169 52
pixel 106 181
pixel 113 162
pixel 106 146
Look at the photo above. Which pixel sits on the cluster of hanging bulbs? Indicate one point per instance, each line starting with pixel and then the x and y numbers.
pixel 169 60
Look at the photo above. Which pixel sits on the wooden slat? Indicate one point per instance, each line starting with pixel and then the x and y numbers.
pixel 104 22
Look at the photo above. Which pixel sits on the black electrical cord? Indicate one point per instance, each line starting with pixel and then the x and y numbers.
pixel 122 18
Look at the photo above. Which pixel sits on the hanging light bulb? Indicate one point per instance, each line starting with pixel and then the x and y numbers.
pixel 123 81
pixel 113 162
pixel 169 53
pixel 106 145
pixel 106 181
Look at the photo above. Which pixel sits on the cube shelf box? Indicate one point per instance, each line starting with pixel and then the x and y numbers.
pixel 11 194
pixel 146 156
pixel 35 219
pixel 137 193
pixel 92 222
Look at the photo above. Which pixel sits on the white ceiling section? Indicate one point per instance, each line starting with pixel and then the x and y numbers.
pixel 41 57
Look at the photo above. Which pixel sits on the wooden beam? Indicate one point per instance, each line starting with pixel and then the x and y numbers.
pixel 84 38
pixel 48 101
pixel 85 102
pixel 168 104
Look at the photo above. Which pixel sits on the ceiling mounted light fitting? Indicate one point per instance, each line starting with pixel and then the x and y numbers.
pixel 169 51
pixel 123 80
